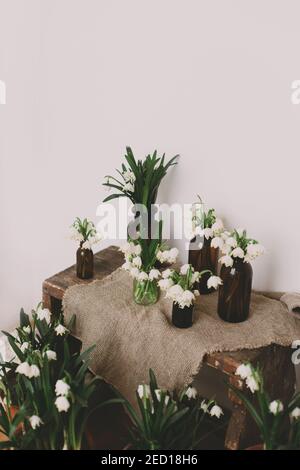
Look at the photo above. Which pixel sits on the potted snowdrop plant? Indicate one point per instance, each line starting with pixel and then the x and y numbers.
pixel 140 262
pixel 279 425
pixel 168 420
pixel 139 181
pixel 180 288
pixel 236 273
pixel 204 249
pixel 45 388
pixel 84 232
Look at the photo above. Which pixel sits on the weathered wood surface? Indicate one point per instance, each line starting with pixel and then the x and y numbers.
pixel 275 360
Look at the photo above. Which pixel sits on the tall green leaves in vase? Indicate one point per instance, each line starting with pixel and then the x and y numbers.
pixel 139 180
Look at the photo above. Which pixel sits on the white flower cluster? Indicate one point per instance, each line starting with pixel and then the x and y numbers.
pixel 210 232
pixel 230 250
pixel 62 390
pixel 247 373
pixel 93 239
pixel 175 291
pixel 43 314
pixel 129 180
pixel 167 256
pixel 215 410
pixel 30 371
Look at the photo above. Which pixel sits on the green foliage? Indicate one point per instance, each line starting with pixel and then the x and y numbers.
pixel 84 227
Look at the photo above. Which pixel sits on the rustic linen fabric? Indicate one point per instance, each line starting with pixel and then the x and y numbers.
pixel 292 301
pixel 130 338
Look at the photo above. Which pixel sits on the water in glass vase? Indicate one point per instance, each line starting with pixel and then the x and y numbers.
pixel 145 292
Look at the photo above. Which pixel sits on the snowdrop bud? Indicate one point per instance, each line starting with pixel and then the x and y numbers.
pixel 196 293
pixel 144 391
pixel 44 314
pixel 244 371
pixel 184 269
pixel 51 355
pixel 276 407
pixel 214 282
pixel 238 253
pixel 295 414
pixel 24 347
pixel 216 411
pixel 35 421
pixel 142 276
pixel 227 260
pixel 204 406
pixel 154 274
pixel 62 404
pixel 27 329
pixel 191 392
pixel 137 261
pixel 61 388
pixel 217 242
pixel 60 330
pixel 34 371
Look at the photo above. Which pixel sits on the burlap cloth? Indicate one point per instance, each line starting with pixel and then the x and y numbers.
pixel 130 338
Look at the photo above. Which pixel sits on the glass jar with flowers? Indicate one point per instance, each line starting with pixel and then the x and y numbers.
pixel 84 232
pixel 204 246
pixel 139 181
pixel 140 261
pixel 179 287
pixel 236 273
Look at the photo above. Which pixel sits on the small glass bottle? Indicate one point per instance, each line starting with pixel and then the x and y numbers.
pixel 84 263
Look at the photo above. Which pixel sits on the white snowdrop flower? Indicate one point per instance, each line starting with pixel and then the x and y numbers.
pixel 238 253
pixel 191 392
pixel 23 369
pixel 276 407
pixel 216 411
pixel 86 245
pixel 44 314
pixel 230 241
pixel 217 242
pixel 173 253
pixel 187 298
pixel 142 276
pixel 204 406
pixel 51 355
pixel 225 249
pixel 129 187
pixel 35 421
pixel 214 281
pixel 184 269
pixel 137 261
pixel 208 233
pixel 165 284
pixel 129 176
pixel 154 274
pixel 218 226
pixel 252 384
pixel 144 391
pixel 126 248
pixel 195 277
pixel 166 273
pixel 26 329
pixel 34 371
pixel 227 260
pixel 137 249
pixel 134 272
pixel 244 371
pixel 158 394
pixel 62 404
pixel 254 250
pixel 174 292
pixel 60 330
pixel 127 266
pixel 199 231
pixel 24 346
pixel 295 414
pixel 61 388
pixel 196 293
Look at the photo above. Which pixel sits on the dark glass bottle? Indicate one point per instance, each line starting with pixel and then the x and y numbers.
pixel 204 258
pixel 84 263
pixel 235 292
pixel 182 317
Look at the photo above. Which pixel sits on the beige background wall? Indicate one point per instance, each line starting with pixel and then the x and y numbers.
pixel 210 80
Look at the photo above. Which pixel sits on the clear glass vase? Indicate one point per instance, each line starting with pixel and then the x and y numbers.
pixel 145 292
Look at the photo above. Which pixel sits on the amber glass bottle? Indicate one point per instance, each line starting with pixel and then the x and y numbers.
pixel 203 258
pixel 84 263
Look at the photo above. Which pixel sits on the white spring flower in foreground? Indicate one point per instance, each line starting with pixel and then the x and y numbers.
pixel 238 253
pixel 27 329
pixel 60 330
pixel 143 391
pixel 204 406
pixel 252 384
pixel 276 407
pixel 295 414
pixel 142 276
pixel 214 282
pixel 35 421
pixel 61 388
pixel 154 274
pixel 227 260
pixel 51 355
pixel 62 404
pixel 191 392
pixel 217 242
pixel 216 411
pixel 44 314
pixel 244 371
pixel 165 284
pixel 184 269
pixel 29 371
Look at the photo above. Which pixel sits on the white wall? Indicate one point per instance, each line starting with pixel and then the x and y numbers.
pixel 207 79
